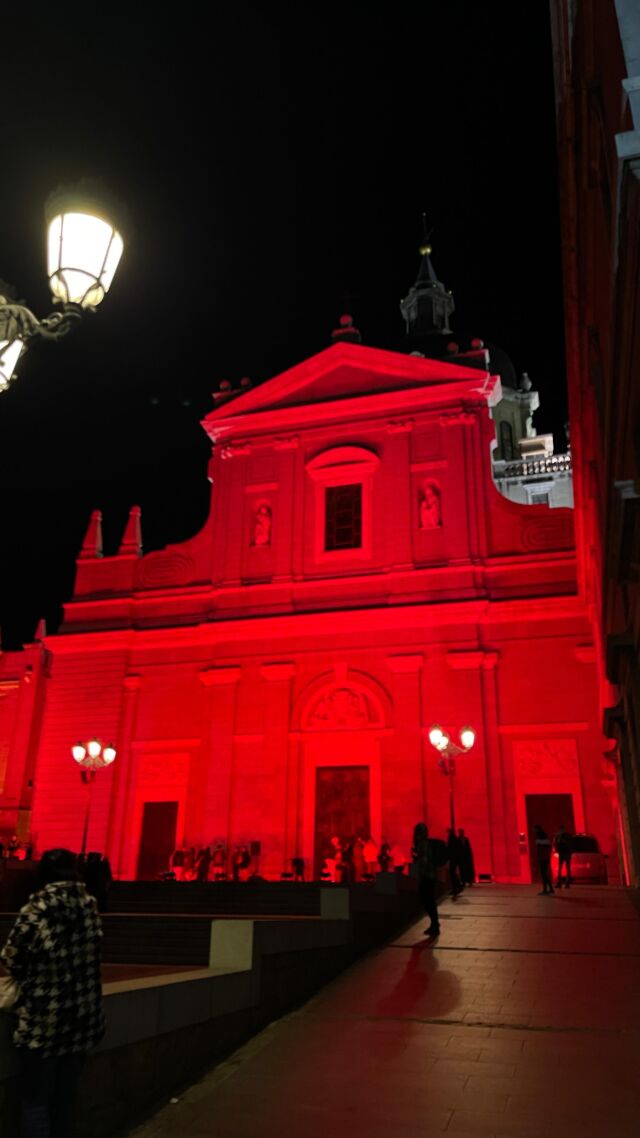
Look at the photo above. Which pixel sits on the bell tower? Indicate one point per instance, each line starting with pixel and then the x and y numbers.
pixel 428 306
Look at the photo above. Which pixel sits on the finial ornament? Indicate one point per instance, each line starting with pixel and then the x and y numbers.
pixel 425 248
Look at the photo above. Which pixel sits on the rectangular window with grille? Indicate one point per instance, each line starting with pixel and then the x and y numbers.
pixel 343 517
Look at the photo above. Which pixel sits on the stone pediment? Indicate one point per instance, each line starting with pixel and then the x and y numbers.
pixel 341 372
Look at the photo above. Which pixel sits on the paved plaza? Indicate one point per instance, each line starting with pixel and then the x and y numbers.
pixel 523 1019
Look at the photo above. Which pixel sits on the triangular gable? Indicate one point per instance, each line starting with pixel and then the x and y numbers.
pixel 343 371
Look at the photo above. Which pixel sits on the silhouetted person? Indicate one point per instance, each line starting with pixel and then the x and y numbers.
pixel 423 859
pixel 297 866
pixel 359 866
pixel 563 845
pixel 176 863
pixel 347 865
pixel 240 860
pixel 189 864
pixel 97 875
pixel 543 854
pixel 454 851
pixel 370 852
pixel 202 864
pixel 399 859
pixel 467 865
pixel 219 862
pixel 384 857
pixel 53 953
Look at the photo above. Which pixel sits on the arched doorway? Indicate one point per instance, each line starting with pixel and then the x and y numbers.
pixel 342 722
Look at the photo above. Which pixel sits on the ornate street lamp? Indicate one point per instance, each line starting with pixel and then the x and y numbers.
pixel 83 250
pixel 448 751
pixel 91 757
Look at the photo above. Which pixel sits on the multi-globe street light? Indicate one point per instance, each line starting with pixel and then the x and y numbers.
pixel 91 757
pixel 83 250
pixel 448 751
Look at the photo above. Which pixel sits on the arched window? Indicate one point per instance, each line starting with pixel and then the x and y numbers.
pixel 343 478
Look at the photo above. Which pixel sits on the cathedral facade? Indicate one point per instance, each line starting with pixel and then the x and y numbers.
pixel 274 679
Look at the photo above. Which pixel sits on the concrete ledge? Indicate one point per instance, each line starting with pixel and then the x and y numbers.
pixel 165 1030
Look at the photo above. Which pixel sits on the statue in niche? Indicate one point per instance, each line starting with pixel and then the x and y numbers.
pixel 430 509
pixel 262 525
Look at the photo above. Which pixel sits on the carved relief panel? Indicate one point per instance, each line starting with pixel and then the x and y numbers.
pixel 545 758
pixel 341 708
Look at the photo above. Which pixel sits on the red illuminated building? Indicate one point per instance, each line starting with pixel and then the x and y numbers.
pixel 274 678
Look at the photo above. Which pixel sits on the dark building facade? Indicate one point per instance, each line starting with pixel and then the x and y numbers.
pixel 597 74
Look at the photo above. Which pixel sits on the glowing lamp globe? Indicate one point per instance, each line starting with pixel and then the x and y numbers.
pixel 83 246
pixel 94 747
pixel 108 755
pixel 435 736
pixel 9 354
pixel 78 752
pixel 444 742
pixel 467 738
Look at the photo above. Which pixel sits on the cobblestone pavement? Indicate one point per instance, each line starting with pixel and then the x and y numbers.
pixel 523 1020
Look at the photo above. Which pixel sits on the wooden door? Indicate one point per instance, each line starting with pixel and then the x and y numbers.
pixel 549 811
pixel 342 807
pixel 157 839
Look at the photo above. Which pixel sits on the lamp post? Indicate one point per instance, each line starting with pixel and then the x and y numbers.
pixel 91 757
pixel 83 250
pixel 448 752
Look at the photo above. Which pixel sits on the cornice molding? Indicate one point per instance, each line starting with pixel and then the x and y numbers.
pixel 405 664
pixel 218 677
pixel 463 660
pixel 277 672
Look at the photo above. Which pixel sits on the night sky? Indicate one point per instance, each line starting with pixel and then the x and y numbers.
pixel 274 164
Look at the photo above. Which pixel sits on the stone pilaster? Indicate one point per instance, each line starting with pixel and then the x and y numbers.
pixel 404 789
pixel 217 752
pixel 481 775
pixel 278 835
pixel 397 492
pixel 124 774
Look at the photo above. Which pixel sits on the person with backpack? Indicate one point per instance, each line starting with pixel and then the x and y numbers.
pixel 563 846
pixel 425 865
pixel 53 956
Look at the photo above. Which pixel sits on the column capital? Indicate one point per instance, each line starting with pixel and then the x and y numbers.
pixel 277 671
pixel 214 677
pixel 405 664
pixel 132 682
pixel 232 450
pixel 585 653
